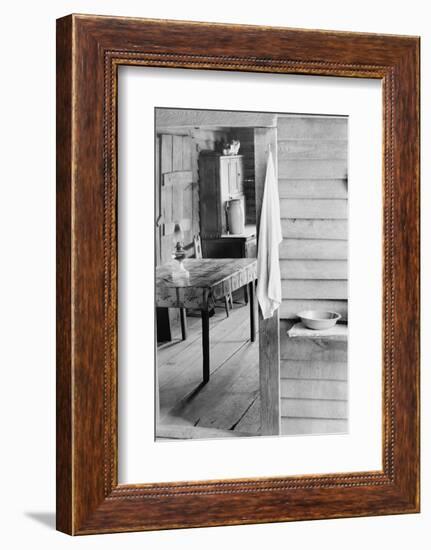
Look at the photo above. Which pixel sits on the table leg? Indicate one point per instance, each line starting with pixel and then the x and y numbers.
pixel 252 312
pixel 226 305
pixel 245 295
pixel 183 320
pixel 205 345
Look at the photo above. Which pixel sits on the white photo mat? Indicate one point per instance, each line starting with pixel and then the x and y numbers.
pixel 141 458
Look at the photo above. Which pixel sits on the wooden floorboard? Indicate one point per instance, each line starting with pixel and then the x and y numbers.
pixel 229 401
pixel 184 374
pixel 175 431
pixel 232 389
pixel 250 422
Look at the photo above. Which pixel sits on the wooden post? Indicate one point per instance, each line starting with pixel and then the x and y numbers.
pixel 183 320
pixel 252 312
pixel 269 336
pixel 205 345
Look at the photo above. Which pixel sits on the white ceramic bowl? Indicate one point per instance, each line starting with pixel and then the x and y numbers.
pixel 319 320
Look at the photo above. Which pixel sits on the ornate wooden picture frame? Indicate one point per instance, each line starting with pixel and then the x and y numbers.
pixel 89 51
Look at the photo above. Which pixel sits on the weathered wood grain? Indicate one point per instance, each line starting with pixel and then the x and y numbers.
pixel 334 209
pixel 174 431
pixel 166 154
pixel 313 389
pixel 269 356
pixel 185 118
pixel 312 128
pixel 301 349
pixel 177 153
pixel 312 188
pixel 187 154
pixel 313 149
pixel 298 426
pixel 183 177
pixel 169 228
pixel 338 332
pixel 314 229
pixel 313 249
pixel 313 368
pixel 313 408
pixel 175 188
pixel 313 269
pixel 177 383
pixel 223 404
pixel 250 422
pixel 309 169
pixel 314 290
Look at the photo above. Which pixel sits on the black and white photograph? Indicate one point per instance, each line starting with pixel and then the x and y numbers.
pixel 251 236
pixel 215 275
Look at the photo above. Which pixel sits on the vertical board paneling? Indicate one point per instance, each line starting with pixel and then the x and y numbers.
pixel 166 156
pixel 177 153
pixel 157 205
pixel 187 153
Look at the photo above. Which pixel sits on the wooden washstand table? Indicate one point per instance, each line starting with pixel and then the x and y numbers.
pixel 210 279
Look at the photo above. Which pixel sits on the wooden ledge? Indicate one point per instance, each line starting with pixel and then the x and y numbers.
pixel 338 332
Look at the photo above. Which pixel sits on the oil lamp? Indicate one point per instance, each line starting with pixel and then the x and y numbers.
pixel 179 254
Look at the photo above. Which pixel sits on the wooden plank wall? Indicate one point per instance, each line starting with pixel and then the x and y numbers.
pixel 200 140
pixel 169 162
pixel 176 187
pixel 312 173
pixel 313 385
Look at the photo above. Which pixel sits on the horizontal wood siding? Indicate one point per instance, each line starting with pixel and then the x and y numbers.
pixel 313 369
pixel 315 290
pixel 313 384
pixel 313 188
pixel 313 149
pixel 312 128
pixel 314 229
pixel 309 169
pixel 302 426
pixel 313 269
pixel 314 408
pixel 194 118
pixel 312 178
pixel 306 349
pixel 305 209
pixel 313 389
pixel 313 249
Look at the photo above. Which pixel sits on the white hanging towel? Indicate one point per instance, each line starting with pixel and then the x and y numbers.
pixel 270 236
